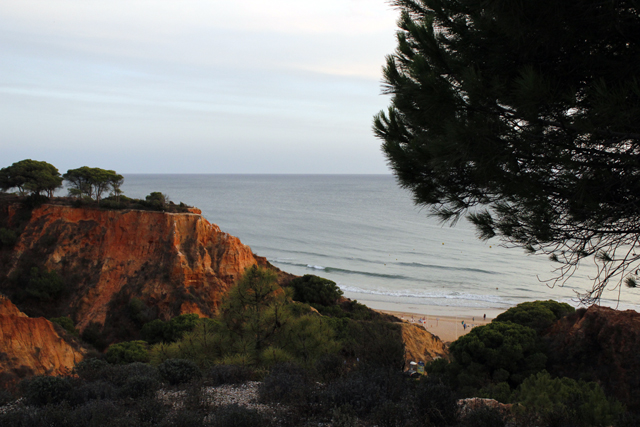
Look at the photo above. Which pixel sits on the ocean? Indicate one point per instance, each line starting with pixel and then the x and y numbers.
pixel 365 233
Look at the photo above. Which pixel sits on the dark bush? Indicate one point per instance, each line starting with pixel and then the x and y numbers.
pixel 494 353
pixel 127 352
pixel 329 367
pixel 312 289
pixel 238 416
pixel 344 416
pixel 97 390
pixel 584 403
pixel 229 374
pixel 138 386
pixel 44 390
pixel 185 418
pixel 140 312
pixel 365 390
pixel 5 397
pixel 148 412
pixel 99 413
pixel 28 416
pixel 537 315
pixel 179 371
pixel 92 335
pixel 119 374
pixel 45 285
pixel 484 416
pixel 158 330
pixel 390 414
pixel 90 369
pixel 286 383
pixel 8 238
pixel 375 344
pixel 436 403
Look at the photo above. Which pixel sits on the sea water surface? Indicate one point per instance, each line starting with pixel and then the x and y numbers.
pixel 365 233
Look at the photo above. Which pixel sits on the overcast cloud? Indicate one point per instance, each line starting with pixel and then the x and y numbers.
pixel 200 86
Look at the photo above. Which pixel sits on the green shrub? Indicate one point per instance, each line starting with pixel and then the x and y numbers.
pixel 44 390
pixel 583 403
pixel 537 315
pixel 67 324
pixel 375 344
pixel 158 331
pixel 178 371
pixel 127 352
pixel 494 353
pixel 45 285
pixel 8 238
pixel 312 289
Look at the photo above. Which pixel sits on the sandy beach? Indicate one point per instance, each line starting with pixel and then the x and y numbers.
pixel 447 328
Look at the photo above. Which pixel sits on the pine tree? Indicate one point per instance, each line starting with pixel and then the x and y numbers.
pixel 525 117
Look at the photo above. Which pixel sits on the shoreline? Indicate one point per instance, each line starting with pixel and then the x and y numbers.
pixel 448 328
pixel 445 322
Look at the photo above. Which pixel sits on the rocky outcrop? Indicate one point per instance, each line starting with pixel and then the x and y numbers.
pixel 32 346
pixel 173 263
pixel 599 344
pixel 421 345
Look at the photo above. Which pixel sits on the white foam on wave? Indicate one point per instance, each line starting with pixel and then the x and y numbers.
pixel 316 267
pixel 431 296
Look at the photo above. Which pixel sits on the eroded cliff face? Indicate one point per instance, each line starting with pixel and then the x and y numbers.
pixel 32 346
pixel 421 345
pixel 173 263
pixel 599 344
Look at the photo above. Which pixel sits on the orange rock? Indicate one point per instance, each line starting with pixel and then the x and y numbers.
pixel 173 262
pixel 421 345
pixel 31 346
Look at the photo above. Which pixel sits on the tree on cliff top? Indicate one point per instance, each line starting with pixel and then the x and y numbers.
pixel 525 116
pixel 93 182
pixel 31 176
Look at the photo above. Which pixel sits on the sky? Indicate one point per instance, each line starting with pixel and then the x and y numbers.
pixel 194 86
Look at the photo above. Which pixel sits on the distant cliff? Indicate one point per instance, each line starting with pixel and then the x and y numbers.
pixel 120 266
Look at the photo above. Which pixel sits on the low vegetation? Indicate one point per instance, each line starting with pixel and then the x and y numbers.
pixel 342 370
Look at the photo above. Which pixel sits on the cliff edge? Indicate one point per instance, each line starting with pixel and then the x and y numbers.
pixel 170 263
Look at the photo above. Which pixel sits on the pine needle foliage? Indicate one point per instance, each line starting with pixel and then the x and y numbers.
pixel 525 117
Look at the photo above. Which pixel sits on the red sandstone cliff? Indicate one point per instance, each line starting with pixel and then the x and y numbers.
pixel 31 346
pixel 173 263
pixel 599 344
